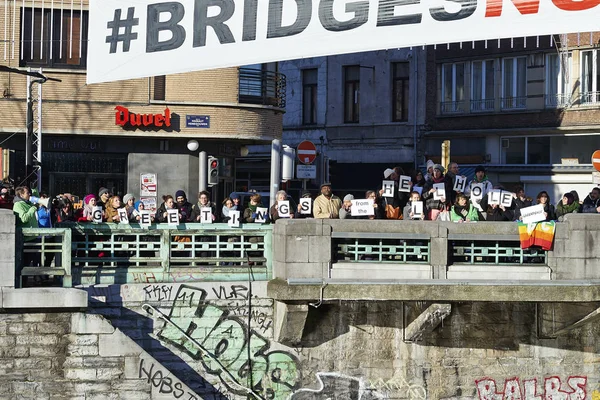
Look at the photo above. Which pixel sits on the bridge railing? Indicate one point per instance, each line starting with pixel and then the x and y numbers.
pixel 113 253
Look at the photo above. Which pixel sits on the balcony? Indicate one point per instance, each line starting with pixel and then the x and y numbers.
pixel 452 107
pixel 590 97
pixel 557 100
pixel 483 105
pixel 262 87
pixel 513 103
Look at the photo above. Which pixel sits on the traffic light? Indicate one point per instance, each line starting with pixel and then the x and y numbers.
pixel 213 171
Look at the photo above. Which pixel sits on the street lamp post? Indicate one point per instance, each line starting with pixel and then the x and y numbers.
pixel 193 145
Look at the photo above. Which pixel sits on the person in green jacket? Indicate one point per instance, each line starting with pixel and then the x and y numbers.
pixel 463 211
pixel 24 209
pixel 26 218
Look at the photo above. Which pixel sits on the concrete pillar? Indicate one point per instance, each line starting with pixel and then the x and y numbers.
pixel 7 248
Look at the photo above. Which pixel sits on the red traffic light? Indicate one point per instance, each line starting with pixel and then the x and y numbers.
pixel 214 164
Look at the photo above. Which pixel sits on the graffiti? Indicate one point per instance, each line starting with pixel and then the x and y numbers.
pixel 553 389
pixel 400 385
pixel 144 277
pixel 230 349
pixel 234 292
pixel 162 381
pixel 595 395
pixel 158 292
pixel 337 386
pixel 261 320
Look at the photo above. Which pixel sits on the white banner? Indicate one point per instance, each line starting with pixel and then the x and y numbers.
pixel 533 214
pixel 141 38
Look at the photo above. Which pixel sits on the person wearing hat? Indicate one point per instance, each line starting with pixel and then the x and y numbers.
pixel 486 186
pixel 103 196
pixel 184 206
pixel 305 195
pixel 435 207
pixel 129 204
pixel 327 205
pixel 345 211
pixel 237 203
pixel 5 201
pixel 429 174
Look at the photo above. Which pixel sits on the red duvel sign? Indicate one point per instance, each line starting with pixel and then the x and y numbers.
pixel 307 152
pixel 124 117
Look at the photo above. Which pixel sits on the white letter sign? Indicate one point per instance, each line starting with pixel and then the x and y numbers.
pixel 494 197
pixel 388 188
pixel 460 183
pixel 123 218
pixel 361 208
pixel 173 216
pixel 506 198
pixel 417 209
pixel 97 214
pixel 283 208
pixel 234 219
pixel 404 185
pixel 145 218
pixel 305 206
pixel 206 215
pixel 262 214
pixel 440 191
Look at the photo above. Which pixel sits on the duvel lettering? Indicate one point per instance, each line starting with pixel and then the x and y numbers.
pixel 124 117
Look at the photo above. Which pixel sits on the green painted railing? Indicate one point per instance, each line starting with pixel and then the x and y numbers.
pixel 402 248
pixel 113 253
pixel 497 252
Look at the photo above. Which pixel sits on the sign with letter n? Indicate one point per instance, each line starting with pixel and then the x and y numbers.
pixel 140 38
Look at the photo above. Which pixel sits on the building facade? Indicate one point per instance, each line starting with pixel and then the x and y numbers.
pixel 109 134
pixel 526 108
pixel 363 111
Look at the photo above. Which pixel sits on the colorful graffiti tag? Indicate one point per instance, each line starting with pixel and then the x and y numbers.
pixel 553 389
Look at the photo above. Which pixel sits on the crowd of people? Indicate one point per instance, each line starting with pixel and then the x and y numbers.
pixel 421 200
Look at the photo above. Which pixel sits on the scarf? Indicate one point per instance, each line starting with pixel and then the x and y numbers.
pixel 462 211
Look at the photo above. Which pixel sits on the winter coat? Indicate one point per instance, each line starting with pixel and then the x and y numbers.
pixel 327 208
pixel 408 207
pixel 458 214
pixel 26 213
pixel 44 217
pixel 430 202
pixel 497 213
pixel 590 206
pixel 250 214
pixel 561 209
pixel 521 204
pixel 195 217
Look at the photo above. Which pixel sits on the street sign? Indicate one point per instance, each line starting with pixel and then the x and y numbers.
pixel 307 152
pixel 306 171
pixel 596 160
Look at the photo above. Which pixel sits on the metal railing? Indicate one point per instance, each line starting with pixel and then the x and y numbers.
pixel 112 253
pixel 558 100
pixel 493 250
pixel 513 103
pixel 452 107
pixel 590 97
pixel 383 248
pixel 262 87
pixel 483 105
pixel 48 248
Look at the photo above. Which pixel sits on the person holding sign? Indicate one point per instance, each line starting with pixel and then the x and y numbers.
pixel 327 205
pixel 305 206
pixel 89 202
pixel 394 197
pixel 463 210
pixel 162 214
pixel 482 185
pixel 543 199
pixel 379 209
pixel 281 208
pixel 346 210
pixel 521 201
pixel 203 202
pixel 111 211
pixel 415 209
pixel 496 211
pixel 436 201
pixel 253 213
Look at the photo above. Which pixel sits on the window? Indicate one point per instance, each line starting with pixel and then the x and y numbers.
pixel 514 83
pixel 558 80
pixel 590 79
pixel 160 83
pixel 453 88
pixel 526 150
pixel 351 93
pixel 309 96
pixel 482 87
pixel 54 38
pixel 400 77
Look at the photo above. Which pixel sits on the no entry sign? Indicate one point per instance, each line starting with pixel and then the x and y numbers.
pixel 596 160
pixel 307 152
